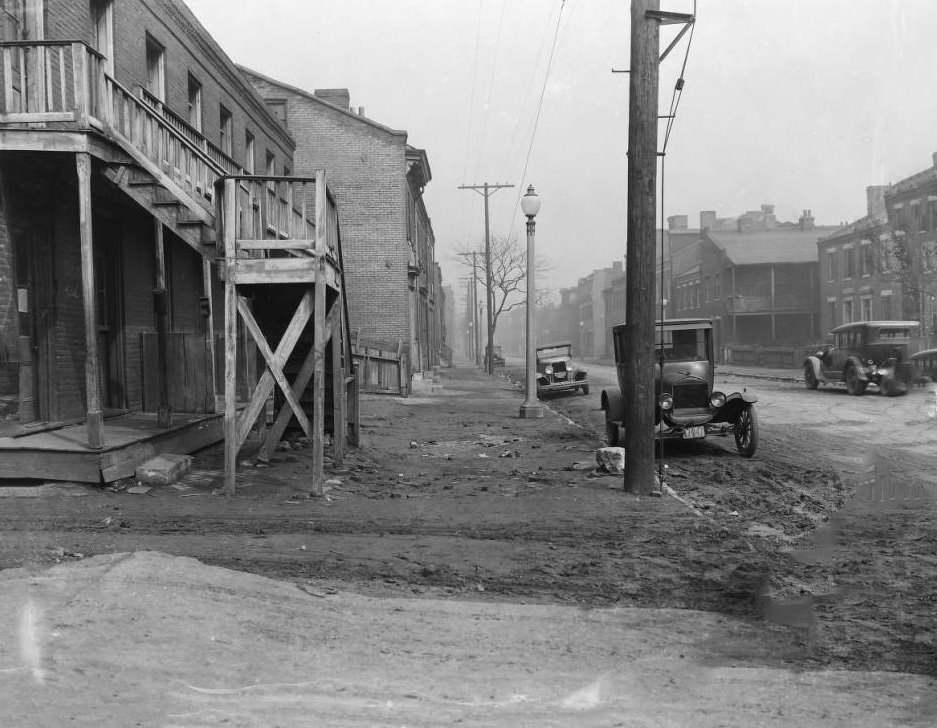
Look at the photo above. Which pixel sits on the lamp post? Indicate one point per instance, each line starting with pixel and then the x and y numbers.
pixel 531 408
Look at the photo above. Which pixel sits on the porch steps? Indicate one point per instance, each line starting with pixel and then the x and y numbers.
pixel 160 202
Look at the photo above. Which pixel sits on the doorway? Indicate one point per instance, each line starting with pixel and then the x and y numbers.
pixel 109 309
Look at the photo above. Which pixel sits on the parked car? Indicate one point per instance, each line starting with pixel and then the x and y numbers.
pixel 557 372
pixel 864 353
pixel 925 366
pixel 687 406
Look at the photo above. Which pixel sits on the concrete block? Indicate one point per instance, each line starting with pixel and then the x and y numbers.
pixel 610 460
pixel 163 469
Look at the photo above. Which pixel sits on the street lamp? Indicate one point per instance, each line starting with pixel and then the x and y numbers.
pixel 530 204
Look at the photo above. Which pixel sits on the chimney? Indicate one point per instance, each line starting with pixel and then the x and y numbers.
pixel 335 96
pixel 360 111
pixel 806 220
pixel 677 222
pixel 875 194
pixel 707 219
pixel 934 158
pixel 617 266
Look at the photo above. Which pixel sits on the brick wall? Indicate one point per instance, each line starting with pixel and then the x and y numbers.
pixel 366 170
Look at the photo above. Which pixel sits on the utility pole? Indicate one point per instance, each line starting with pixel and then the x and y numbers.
pixel 487 190
pixel 477 333
pixel 639 389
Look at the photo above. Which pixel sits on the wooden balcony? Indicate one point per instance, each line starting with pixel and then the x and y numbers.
pixel 268 233
pixel 55 89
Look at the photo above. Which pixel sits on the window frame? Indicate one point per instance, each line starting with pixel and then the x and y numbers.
pixel 156 69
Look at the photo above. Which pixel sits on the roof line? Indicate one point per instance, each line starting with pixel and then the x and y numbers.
pixel 319 100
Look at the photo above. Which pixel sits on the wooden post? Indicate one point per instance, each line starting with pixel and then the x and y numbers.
pixel 318 374
pixel 230 338
pixel 354 434
pixel 639 394
pixel 95 416
pixel 339 424
pixel 210 330
pixel 161 304
pixel 82 84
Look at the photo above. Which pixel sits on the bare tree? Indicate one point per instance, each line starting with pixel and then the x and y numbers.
pixel 508 273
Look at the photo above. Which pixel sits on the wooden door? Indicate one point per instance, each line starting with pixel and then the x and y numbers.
pixel 109 299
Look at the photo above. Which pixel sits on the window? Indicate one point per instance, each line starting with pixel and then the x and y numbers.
pixel 249 163
pixel 866 259
pixel 920 212
pixel 831 272
pixel 832 312
pixel 849 262
pixel 278 109
pixel 717 287
pixel 886 307
pixel 866 304
pixel 286 171
pixel 155 69
pixel 271 166
pixel 226 128
pixel 847 311
pixel 195 103
pixel 102 29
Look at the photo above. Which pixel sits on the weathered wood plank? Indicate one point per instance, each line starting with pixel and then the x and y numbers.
pixel 265 386
pixel 231 445
pixel 274 366
pixel 318 375
pixel 339 423
pixel 95 417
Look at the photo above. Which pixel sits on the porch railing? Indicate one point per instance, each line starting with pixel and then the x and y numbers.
pixel 274 217
pixel 64 82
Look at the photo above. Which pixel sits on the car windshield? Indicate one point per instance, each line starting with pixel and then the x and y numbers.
pixel 682 344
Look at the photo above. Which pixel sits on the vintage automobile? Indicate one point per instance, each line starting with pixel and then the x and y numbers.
pixel 557 372
pixel 687 407
pixel 925 366
pixel 864 353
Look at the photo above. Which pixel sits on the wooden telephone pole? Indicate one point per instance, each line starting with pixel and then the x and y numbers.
pixel 640 294
pixel 487 190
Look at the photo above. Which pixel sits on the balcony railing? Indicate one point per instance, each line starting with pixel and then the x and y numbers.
pixel 55 84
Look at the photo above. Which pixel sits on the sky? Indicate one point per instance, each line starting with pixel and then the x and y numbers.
pixel 797 103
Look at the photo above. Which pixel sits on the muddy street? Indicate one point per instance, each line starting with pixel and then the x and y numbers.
pixel 823 540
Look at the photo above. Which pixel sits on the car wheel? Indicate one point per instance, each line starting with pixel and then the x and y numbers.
pixel 585 389
pixel 746 432
pixel 810 379
pixel 854 385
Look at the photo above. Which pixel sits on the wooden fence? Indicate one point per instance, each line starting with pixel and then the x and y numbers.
pixel 381 371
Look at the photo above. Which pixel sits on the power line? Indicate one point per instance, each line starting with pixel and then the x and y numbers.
pixel 491 81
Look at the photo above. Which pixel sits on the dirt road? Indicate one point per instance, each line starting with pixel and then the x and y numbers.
pixel 824 547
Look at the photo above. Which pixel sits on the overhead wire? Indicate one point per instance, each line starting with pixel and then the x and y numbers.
pixel 533 134
pixel 491 81
pixel 471 99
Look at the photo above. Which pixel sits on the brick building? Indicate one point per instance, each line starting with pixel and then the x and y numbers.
pixel 388 237
pixel 117 119
pixel 756 277
pixel 854 285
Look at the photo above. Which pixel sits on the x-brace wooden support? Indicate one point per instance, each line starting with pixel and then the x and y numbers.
pixel 299 384
pixel 273 374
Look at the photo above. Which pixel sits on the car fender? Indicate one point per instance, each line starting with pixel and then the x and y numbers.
pixel 814 363
pixel 614 404
pixel 859 366
pixel 734 404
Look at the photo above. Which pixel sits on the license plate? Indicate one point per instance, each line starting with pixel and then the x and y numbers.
pixel 560 375
pixel 694 433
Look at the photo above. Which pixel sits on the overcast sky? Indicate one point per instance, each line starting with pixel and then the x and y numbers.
pixel 798 103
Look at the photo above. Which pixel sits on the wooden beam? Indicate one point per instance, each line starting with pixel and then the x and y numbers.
pixel 92 369
pixel 318 374
pixel 339 423
pixel 275 434
pixel 274 364
pixel 210 330
pixel 265 386
pixel 354 416
pixel 231 444
pixel 161 304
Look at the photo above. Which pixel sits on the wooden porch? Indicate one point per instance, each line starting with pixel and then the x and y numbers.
pixel 63 453
pixel 253 233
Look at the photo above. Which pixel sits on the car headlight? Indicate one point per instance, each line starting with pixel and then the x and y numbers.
pixel 717 399
pixel 548 370
pixel 666 402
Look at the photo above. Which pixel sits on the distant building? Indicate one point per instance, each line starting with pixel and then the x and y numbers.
pixel 755 277
pixel 388 239
pixel 590 336
pixel 855 261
